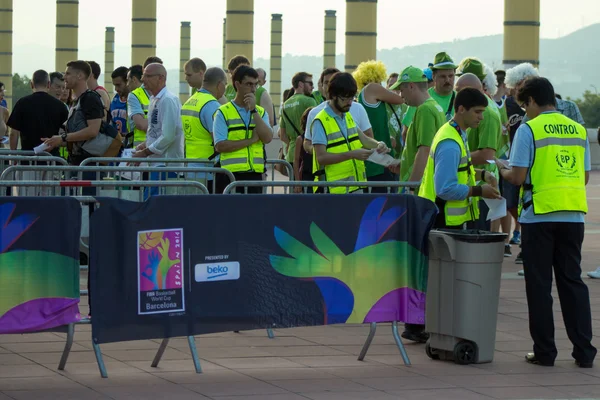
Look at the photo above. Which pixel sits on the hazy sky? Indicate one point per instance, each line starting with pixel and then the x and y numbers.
pixel 400 23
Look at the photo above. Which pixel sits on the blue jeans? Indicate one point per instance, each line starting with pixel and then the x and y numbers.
pixel 157 176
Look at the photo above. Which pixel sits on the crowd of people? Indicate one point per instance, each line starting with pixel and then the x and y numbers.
pixel 462 131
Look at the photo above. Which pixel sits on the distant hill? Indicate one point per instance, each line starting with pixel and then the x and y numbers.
pixel 570 62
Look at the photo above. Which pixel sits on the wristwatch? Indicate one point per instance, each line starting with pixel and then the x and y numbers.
pixel 63 136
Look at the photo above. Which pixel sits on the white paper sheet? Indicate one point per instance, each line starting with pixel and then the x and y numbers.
pixel 494 162
pixel 132 176
pixel 497 208
pixel 4 140
pixel 383 159
pixel 41 148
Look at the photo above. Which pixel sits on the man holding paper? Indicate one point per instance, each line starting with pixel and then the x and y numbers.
pixel 340 148
pixel 550 158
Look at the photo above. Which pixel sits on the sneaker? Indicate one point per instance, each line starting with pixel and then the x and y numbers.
pixel 594 274
pixel 516 239
pixel 519 259
pixel 507 252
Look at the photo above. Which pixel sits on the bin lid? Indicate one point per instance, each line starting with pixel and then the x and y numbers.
pixel 473 235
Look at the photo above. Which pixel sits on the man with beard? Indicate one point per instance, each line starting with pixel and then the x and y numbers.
pixel 118 105
pixel 340 148
pixel 293 108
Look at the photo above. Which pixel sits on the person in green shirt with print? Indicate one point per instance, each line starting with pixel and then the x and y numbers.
pixel 293 108
pixel 483 140
pixel 429 117
pixel 443 89
pixel 376 99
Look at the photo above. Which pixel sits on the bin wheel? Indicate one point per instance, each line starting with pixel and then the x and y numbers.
pixel 431 352
pixel 464 352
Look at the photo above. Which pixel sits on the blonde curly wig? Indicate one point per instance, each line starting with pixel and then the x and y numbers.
pixel 369 72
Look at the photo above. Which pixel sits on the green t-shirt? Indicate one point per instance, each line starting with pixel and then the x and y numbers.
pixel 395 113
pixel 230 92
pixel 293 109
pixel 429 118
pixel 378 117
pixel 487 134
pixel 504 146
pixel 443 101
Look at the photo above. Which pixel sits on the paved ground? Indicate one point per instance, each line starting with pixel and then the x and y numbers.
pixel 308 363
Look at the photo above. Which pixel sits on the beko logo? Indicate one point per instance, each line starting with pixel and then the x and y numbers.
pixel 223 271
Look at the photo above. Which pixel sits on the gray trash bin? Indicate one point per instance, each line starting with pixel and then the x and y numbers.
pixel 463 288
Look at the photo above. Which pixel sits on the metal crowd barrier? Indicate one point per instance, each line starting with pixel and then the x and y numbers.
pixel 307 186
pixel 8 152
pixel 91 201
pixel 115 173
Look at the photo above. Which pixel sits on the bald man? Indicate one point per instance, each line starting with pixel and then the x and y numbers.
pixel 483 142
pixel 263 98
pixel 164 138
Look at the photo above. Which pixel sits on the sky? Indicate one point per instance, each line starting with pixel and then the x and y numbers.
pixel 400 23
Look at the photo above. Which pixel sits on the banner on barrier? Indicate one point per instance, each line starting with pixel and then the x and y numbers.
pixel 256 261
pixel 39 263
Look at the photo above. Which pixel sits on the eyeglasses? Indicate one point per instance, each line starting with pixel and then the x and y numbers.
pixel 346 99
pixel 150 75
pixel 311 83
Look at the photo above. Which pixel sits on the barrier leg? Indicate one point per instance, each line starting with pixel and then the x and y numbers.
pixel 159 353
pixel 194 352
pixel 99 360
pixel 367 344
pixel 68 344
pixel 399 343
pixel 270 333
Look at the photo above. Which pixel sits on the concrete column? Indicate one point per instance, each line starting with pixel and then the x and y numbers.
pixel 275 73
pixel 521 32
pixel 143 30
pixel 240 29
pixel 6 44
pixel 225 61
pixel 184 56
pixel 329 45
pixel 109 58
pixel 361 32
pixel 67 29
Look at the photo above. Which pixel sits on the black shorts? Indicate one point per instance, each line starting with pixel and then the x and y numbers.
pixel 510 192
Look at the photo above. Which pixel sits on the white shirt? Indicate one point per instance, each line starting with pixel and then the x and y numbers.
pixel 165 132
pixel 357 111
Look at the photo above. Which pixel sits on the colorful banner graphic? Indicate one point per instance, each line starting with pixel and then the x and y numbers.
pixel 39 263
pixel 255 261
pixel 160 271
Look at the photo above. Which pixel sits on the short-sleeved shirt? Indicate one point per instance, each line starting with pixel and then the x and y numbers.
pixel 487 134
pixel 319 136
pixel 357 111
pixel 429 118
pixel 443 101
pixel 522 156
pixel 220 125
pixel 292 112
pixel 134 106
pixel 515 116
pixel 208 111
pixel 37 116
